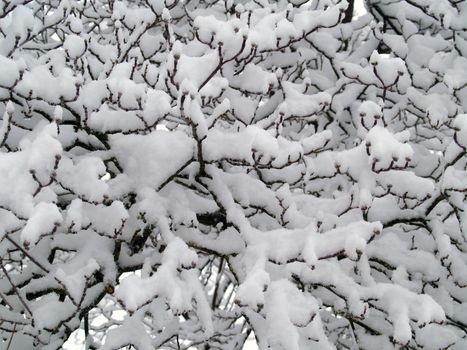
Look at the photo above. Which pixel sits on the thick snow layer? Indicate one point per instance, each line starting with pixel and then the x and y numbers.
pixel 74 46
pixel 42 221
pixel 185 174
pixel 8 71
pixel 461 133
pixel 151 159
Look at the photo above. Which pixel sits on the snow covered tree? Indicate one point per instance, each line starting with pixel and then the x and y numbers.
pixel 185 174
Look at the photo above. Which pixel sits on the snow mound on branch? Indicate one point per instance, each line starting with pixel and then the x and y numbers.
pixel 149 160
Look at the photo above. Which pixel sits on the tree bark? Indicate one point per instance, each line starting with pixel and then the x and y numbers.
pixel 349 12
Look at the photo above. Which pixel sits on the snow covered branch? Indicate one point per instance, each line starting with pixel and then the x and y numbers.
pixel 185 174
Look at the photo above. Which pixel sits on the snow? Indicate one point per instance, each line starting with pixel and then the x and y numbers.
pixel 74 219
pixel 254 80
pixel 385 149
pixel 44 218
pixel 148 160
pixel 189 174
pixel 74 281
pixel 74 46
pixel 85 178
pixel 22 22
pixel 461 133
pixel 239 146
pixel 106 220
pixel 195 69
pixel 41 83
pixel 50 313
pixel 9 72
pixel 131 330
